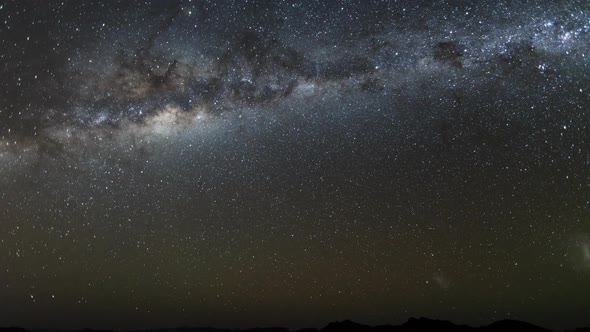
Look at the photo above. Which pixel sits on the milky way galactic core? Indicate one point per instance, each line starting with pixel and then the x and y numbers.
pixel 256 163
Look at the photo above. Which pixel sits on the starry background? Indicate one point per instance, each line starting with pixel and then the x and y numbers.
pixel 255 163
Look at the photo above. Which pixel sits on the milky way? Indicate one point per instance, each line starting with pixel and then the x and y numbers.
pixel 241 163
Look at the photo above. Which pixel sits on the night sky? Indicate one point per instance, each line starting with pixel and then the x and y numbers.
pixel 258 163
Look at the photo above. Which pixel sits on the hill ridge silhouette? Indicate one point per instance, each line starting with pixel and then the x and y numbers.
pixel 413 324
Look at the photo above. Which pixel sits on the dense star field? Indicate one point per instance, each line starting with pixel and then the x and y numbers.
pixel 256 163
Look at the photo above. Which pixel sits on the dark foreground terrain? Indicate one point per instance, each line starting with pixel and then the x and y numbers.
pixel 412 325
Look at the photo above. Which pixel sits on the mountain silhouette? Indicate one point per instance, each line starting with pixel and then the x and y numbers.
pixel 514 325
pixel 412 325
pixel 346 326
